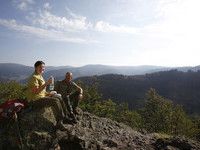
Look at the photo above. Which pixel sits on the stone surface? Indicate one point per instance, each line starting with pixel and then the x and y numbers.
pixel 90 133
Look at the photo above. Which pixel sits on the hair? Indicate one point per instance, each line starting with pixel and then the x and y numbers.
pixel 38 63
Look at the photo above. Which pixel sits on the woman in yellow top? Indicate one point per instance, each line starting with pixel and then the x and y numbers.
pixel 39 98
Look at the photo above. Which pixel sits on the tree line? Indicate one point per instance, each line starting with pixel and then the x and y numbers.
pixel 181 87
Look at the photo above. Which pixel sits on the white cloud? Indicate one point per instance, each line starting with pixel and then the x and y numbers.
pixel 50 34
pixel 48 26
pixel 176 23
pixel 47 20
pixel 47 6
pixel 107 27
pixel 33 14
pixel 73 15
pixel 174 19
pixel 29 1
pixel 179 17
pixel 23 4
pixel 174 38
pixel 126 1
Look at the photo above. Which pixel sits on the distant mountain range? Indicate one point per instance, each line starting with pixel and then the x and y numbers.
pixel 21 73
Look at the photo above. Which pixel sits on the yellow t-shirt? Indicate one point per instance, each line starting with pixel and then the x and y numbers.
pixel 35 80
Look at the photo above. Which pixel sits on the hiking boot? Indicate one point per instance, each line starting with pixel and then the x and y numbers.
pixel 73 117
pixel 66 120
pixel 61 127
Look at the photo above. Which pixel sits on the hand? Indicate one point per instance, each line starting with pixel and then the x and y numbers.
pixel 80 96
pixel 49 81
pixel 49 94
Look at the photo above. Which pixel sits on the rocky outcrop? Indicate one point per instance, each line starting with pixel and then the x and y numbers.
pixel 90 133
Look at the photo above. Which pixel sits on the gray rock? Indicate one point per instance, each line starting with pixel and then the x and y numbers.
pixel 90 133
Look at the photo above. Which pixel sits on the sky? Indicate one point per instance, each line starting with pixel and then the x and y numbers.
pixel 107 32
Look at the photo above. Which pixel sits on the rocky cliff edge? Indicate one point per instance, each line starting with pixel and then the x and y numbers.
pixel 38 132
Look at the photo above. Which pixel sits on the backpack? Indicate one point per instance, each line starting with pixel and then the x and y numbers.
pixel 9 108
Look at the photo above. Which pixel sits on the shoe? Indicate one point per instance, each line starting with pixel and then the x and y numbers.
pixel 73 117
pixel 66 120
pixel 61 127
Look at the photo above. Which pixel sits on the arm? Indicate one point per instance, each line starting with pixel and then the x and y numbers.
pixel 38 89
pixel 79 89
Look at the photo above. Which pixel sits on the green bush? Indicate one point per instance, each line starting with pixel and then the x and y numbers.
pixel 11 90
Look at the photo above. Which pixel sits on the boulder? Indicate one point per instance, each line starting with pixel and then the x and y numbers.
pixel 38 132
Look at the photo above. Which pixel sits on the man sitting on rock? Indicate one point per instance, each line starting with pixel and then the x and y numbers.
pixel 66 88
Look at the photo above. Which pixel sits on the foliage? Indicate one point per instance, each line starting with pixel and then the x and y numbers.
pixel 107 109
pixel 11 90
pixel 91 99
pixel 162 135
pixel 128 117
pixel 157 114
pixel 93 103
pixel 197 123
pixel 162 116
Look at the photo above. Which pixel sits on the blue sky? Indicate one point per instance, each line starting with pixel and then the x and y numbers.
pixel 109 32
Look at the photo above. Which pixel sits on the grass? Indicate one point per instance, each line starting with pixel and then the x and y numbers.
pixel 162 135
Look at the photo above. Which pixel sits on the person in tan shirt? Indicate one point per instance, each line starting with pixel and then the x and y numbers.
pixel 70 91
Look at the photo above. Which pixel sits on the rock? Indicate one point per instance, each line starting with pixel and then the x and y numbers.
pixel 176 143
pixel 91 132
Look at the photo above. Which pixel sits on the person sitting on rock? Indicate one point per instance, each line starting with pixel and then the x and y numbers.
pixel 37 96
pixel 66 88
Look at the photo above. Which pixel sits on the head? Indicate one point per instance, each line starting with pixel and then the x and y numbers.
pixel 39 67
pixel 68 76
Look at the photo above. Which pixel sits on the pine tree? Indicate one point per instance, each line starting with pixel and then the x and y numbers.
pixel 157 113
pixel 91 99
pixel 161 115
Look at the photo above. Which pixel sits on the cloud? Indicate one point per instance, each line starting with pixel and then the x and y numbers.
pixel 30 1
pixel 103 26
pixel 45 34
pixel 23 4
pixel 175 21
pixel 174 38
pixel 171 37
pixel 73 15
pixel 47 6
pixel 178 20
pixel 46 19
pixel 48 26
pixel 127 1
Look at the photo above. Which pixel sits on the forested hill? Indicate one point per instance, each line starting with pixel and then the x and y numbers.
pixel 180 87
pixel 21 73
